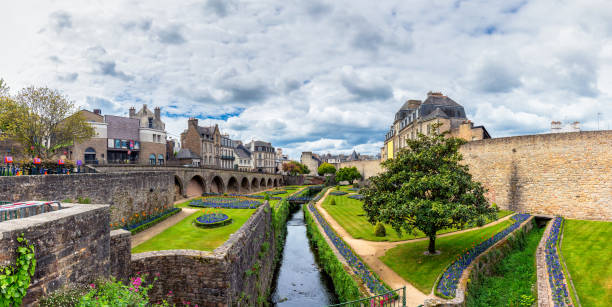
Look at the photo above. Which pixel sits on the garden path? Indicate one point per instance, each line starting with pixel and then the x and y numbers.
pixel 371 252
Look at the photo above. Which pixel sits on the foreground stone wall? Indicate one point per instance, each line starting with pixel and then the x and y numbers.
pixel 72 245
pixel 568 174
pixel 217 278
pixel 120 254
pixel 127 193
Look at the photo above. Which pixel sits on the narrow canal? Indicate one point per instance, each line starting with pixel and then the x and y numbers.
pixel 300 281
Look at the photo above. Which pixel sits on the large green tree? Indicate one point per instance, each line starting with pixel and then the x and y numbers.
pixel 44 121
pixel 295 168
pixel 349 174
pixel 326 168
pixel 426 188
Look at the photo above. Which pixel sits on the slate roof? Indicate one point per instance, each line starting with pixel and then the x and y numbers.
pixel 185 153
pixel 123 128
pixel 242 152
pixel 440 100
pixel 437 113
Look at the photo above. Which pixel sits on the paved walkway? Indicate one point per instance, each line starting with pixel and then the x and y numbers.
pixel 371 251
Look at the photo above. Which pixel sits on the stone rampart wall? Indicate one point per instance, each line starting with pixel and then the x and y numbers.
pixel 567 174
pixel 217 278
pixel 127 193
pixel 72 245
pixel 366 168
pixel 120 254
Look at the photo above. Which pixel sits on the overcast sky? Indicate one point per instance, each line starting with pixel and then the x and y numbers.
pixel 314 75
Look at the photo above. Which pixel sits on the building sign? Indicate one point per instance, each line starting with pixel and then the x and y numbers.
pixel 131 144
pixel 390 150
pixel 37 161
pixel 111 143
pixel 60 162
pixel 8 159
pixel 117 143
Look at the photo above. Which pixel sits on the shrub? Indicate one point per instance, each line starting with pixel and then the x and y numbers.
pixel 85 200
pixel 66 297
pixel 380 230
pixel 115 293
pixel 333 202
pixel 338 187
pixel 15 279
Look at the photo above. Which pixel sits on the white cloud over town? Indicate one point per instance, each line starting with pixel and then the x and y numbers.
pixel 315 75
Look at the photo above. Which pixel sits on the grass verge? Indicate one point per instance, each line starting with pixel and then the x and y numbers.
pixel 587 251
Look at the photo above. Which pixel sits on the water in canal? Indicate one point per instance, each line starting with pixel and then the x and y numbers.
pixel 300 282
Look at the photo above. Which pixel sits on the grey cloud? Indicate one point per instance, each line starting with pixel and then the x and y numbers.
pixel 365 89
pixel 55 59
pixel 95 52
pixel 69 77
pixel 108 68
pixel 103 104
pixel 171 35
pixel 367 39
pixel 143 25
pixel 317 9
pixel 495 77
pixel 219 7
pixel 247 93
pixel 291 85
pixel 579 74
pixel 60 20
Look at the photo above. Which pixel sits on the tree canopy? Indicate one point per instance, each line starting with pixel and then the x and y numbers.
pixel 43 121
pixel 349 174
pixel 295 168
pixel 326 168
pixel 426 188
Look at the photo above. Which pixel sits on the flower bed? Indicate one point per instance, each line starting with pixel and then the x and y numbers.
pixel 337 193
pixel 255 196
pixel 211 220
pixel 447 285
pixel 299 198
pixel 353 189
pixel 359 268
pixel 275 192
pixel 356 196
pixel 225 202
pixel 151 221
pixel 556 278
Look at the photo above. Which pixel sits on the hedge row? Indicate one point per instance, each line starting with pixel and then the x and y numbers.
pixel 154 222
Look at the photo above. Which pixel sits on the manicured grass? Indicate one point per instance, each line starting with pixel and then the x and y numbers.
pixel 513 277
pixel 185 235
pixel 420 270
pixel 274 202
pixel 349 214
pixel 587 251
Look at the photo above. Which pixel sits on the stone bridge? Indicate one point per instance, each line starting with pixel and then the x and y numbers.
pixel 193 181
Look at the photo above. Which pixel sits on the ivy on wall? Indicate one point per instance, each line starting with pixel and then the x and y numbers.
pixel 15 279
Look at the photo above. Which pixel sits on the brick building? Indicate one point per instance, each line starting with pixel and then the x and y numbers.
pixel 416 117
pixel 203 141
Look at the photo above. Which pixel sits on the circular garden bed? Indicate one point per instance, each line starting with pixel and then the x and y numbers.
pixel 211 220
pixel 225 202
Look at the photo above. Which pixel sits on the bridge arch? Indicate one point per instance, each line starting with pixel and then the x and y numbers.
pixel 178 188
pixel 196 186
pixel 245 187
pixel 216 185
pixel 275 182
pixel 270 183
pixel 255 184
pixel 262 183
pixel 232 185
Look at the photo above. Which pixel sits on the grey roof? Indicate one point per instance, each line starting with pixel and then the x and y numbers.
pixel 437 113
pixel 260 143
pixel 185 153
pixel 242 152
pixel 410 104
pixel 123 128
pixel 440 100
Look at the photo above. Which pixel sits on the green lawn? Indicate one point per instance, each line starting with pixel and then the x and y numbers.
pixel 185 235
pixel 420 270
pixel 513 277
pixel 349 214
pixel 273 202
pixel 587 250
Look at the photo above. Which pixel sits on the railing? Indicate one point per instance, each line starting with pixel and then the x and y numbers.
pixel 388 299
pixel 19 210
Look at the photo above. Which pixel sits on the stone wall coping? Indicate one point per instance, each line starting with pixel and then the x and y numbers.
pixel 39 219
pixel 219 253
pixel 543 286
pixel 120 232
pixel 83 174
pixel 537 138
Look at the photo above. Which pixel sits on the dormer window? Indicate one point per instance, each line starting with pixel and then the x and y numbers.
pixel 150 122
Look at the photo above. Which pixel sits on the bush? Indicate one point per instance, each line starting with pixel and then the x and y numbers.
pixel 115 293
pixel 85 200
pixel 338 187
pixel 66 297
pixel 333 202
pixel 380 230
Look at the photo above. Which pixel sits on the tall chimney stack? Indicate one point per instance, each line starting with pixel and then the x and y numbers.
pixel 193 122
pixel 97 111
pixel 157 113
pixel 132 112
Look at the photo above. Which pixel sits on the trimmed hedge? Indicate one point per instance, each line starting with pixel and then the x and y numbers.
pixel 152 223
pixel 344 285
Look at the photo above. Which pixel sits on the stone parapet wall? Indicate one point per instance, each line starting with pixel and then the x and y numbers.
pixel 72 245
pixel 567 174
pixel 127 193
pixel 367 168
pixel 120 253
pixel 217 278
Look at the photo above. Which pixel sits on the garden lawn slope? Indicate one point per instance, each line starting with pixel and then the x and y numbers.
pixel 350 215
pixel 587 250
pixel 408 260
pixel 185 235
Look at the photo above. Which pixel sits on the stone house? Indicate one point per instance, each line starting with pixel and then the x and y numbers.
pixel 243 158
pixel 203 141
pixel 416 117
pixel 263 156
pixel 312 161
pixel 227 157
pixel 137 139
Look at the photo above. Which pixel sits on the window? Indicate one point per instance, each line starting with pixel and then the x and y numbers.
pixel 152 159
pixel 160 159
pixel 150 122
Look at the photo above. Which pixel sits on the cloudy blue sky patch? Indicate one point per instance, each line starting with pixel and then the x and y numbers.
pixel 318 75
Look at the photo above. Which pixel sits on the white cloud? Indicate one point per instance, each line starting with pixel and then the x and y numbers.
pixel 316 75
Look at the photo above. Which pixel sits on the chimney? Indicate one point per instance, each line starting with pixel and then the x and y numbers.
pixel 576 127
pixel 98 112
pixel 432 93
pixel 132 112
pixel 555 126
pixel 192 122
pixel 157 113
pixel 413 104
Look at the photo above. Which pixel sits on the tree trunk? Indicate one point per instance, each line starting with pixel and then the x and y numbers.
pixel 432 245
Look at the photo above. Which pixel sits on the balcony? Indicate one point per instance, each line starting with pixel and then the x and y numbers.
pixel 228 157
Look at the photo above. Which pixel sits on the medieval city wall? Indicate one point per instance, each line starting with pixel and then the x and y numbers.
pixel 367 168
pixel 567 174
pixel 127 193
